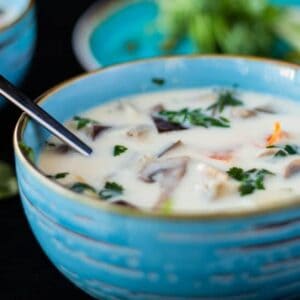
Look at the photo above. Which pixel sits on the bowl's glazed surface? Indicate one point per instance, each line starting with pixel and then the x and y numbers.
pixel 17 40
pixel 116 253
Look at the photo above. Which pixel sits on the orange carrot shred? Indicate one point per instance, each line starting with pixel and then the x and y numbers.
pixel 276 135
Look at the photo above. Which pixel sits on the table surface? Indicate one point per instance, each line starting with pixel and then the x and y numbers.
pixel 25 271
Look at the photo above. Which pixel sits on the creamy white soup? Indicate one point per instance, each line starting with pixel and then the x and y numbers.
pixel 184 151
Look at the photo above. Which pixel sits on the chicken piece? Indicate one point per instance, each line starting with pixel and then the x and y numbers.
pixel 168 173
pixel 140 131
pixel 243 113
pixel 292 168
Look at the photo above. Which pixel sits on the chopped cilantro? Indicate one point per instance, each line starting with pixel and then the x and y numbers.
pixel 111 190
pixel 250 180
pixel 58 175
pixel 158 81
pixel 225 98
pixel 119 149
pixel 27 151
pixel 285 150
pixel 83 122
pixel 80 187
pixel 194 117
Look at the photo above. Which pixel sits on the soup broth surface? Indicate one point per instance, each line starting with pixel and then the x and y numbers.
pixel 184 151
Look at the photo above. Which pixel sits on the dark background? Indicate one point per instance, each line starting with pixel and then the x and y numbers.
pixel 25 272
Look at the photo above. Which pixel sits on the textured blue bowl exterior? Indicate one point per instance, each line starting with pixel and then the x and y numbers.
pixel 17 46
pixel 112 255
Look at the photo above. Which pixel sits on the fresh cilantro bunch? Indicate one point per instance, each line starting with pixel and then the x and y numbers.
pixel 250 27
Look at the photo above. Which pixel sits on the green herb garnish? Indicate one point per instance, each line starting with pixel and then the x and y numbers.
pixel 196 117
pixel 229 26
pixel 285 150
pixel 58 175
pixel 111 190
pixel 158 81
pixel 27 151
pixel 119 149
pixel 250 180
pixel 8 183
pixel 225 99
pixel 83 122
pixel 80 187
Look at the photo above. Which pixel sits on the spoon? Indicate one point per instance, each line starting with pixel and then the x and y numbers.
pixel 14 95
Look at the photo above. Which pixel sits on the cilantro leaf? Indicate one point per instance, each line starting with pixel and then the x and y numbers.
pixel 27 151
pixel 58 175
pixel 83 122
pixel 285 150
pixel 186 117
pixel 225 98
pixel 119 149
pixel 111 190
pixel 250 180
pixel 158 81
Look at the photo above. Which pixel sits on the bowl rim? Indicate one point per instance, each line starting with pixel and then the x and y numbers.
pixel 29 6
pixel 85 26
pixel 271 207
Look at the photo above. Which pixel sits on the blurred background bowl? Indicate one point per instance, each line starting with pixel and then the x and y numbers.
pixel 117 253
pixel 120 31
pixel 17 38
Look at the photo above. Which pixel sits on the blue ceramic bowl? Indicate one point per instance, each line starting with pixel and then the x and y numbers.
pixel 118 253
pixel 122 31
pixel 17 38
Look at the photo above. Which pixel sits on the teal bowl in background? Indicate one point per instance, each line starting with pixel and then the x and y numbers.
pixel 113 252
pixel 17 38
pixel 121 31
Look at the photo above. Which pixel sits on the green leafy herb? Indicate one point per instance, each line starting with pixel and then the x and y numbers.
pixel 83 122
pixel 285 150
pixel 225 99
pixel 158 81
pixel 111 190
pixel 8 183
pixel 119 149
pixel 196 117
pixel 58 175
pixel 80 187
pixel 250 180
pixel 27 151
pixel 229 26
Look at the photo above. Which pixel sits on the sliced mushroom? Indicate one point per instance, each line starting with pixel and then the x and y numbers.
pixel 63 148
pixel 268 152
pixel 157 108
pixel 169 148
pixel 96 130
pixel 214 183
pixel 266 109
pixel 243 113
pixel 166 126
pixel 292 168
pixel 124 204
pixel 140 131
pixel 168 173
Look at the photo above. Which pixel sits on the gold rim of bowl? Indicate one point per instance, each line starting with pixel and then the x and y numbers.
pixel 260 209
